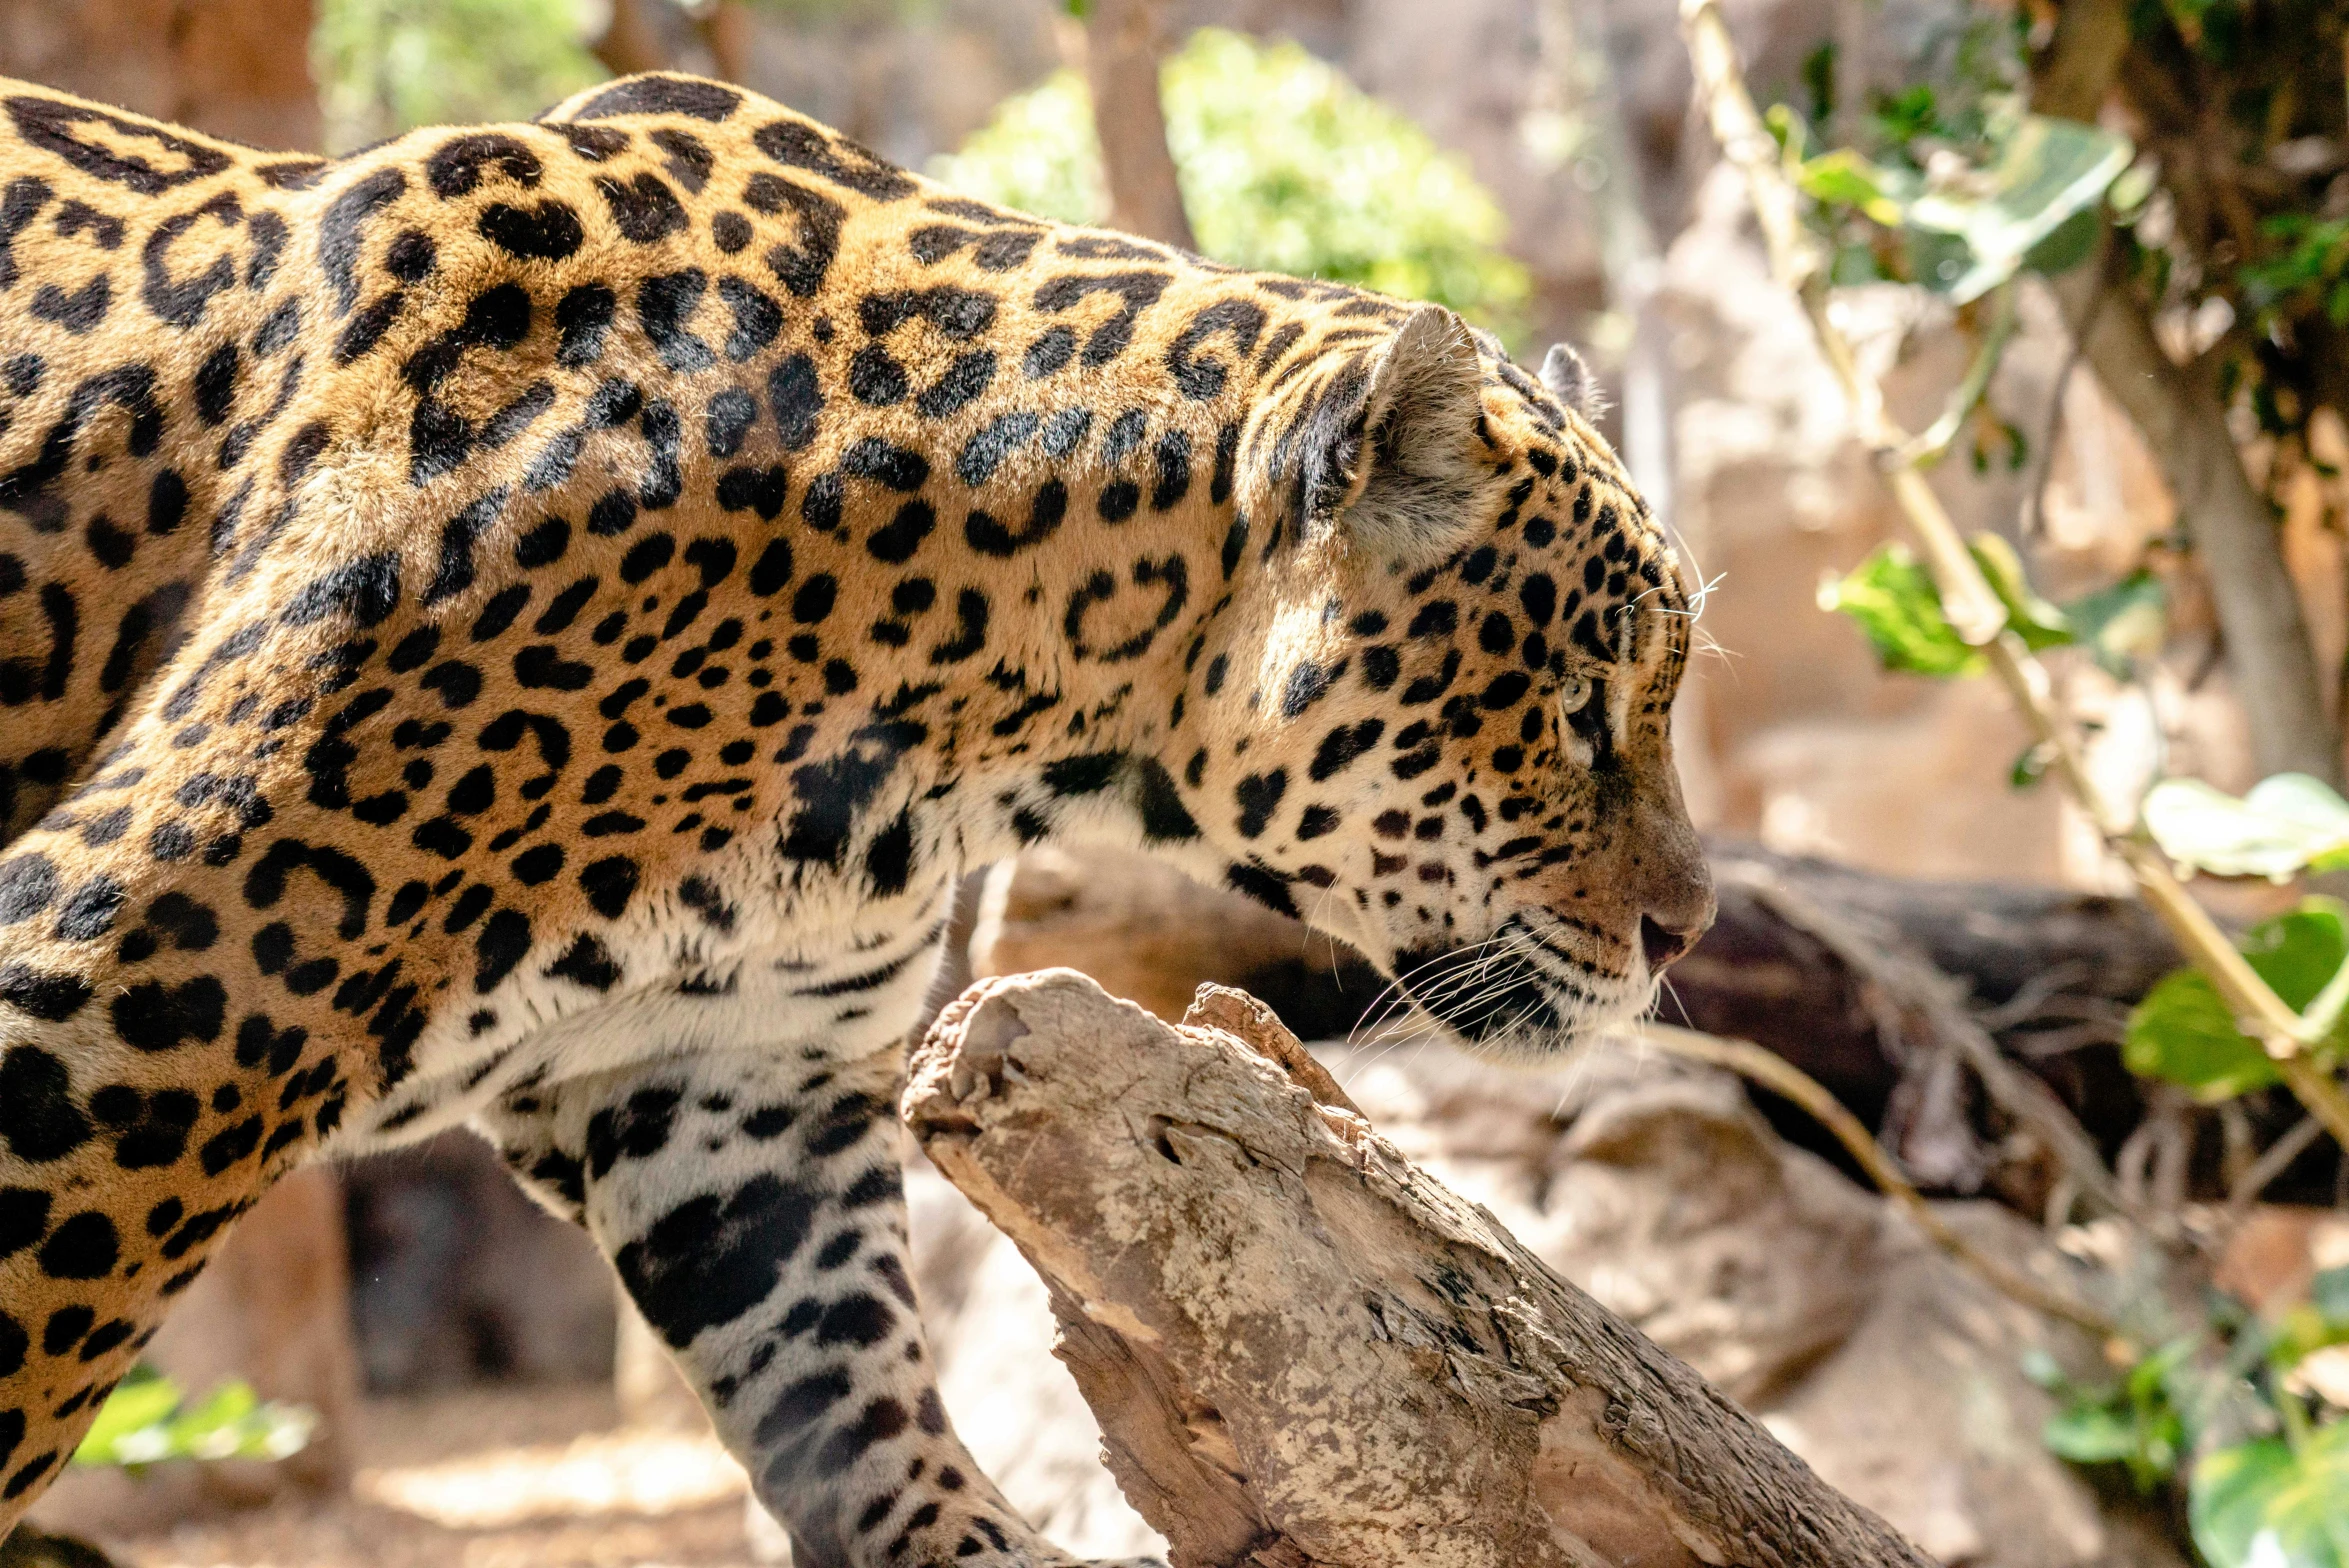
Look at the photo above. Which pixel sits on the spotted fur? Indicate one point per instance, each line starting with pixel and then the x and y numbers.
pixel 526 625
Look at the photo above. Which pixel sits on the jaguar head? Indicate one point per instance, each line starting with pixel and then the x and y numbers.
pixel 1454 692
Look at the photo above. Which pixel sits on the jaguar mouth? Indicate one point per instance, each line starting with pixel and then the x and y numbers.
pixel 1515 993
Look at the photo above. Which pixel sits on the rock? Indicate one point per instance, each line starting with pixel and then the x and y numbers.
pixel 234 68
pixel 1924 1415
pixel 272 1310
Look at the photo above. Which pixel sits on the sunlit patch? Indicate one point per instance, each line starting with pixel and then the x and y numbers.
pixel 641 1473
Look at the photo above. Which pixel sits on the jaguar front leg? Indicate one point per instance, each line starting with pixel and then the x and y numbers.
pixel 755 1212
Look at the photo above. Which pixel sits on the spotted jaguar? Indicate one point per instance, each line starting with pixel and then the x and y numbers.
pixel 525 627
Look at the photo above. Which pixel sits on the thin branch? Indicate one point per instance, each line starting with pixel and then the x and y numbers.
pixel 1911 983
pixel 1930 445
pixel 1777 1074
pixel 2269 1166
pixel 2035 493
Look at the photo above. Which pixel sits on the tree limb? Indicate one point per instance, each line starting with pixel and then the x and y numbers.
pixel 630 41
pixel 1124 45
pixel 1303 1351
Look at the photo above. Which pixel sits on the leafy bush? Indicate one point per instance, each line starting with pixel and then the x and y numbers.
pixel 384 66
pixel 1285 165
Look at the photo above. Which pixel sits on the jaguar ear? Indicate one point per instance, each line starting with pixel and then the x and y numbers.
pixel 1418 468
pixel 1569 380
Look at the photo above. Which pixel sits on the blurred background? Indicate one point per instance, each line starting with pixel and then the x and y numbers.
pixel 2129 367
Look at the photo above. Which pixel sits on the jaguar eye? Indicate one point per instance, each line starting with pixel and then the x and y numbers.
pixel 1574 693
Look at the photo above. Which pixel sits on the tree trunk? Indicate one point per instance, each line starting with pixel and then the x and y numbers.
pixel 1304 1352
pixel 630 42
pixel 1125 43
pixel 235 68
pixel 2185 427
pixel 726 29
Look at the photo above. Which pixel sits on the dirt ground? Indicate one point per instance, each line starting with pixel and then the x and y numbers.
pixel 536 1477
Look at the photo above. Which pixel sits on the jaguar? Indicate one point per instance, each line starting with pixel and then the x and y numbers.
pixel 525 626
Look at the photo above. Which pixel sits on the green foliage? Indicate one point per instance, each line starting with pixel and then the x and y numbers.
pixel 2122 623
pixel 1892 598
pixel 2287 824
pixel 2267 1485
pixel 2026 200
pixel 2309 269
pixel 1285 166
pixel 2271 1503
pixel 147 1420
pixel 2243 115
pixel 2136 1422
pixel 384 66
pixel 2184 1032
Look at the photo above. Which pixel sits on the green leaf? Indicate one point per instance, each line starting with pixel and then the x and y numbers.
pixel 1892 599
pixel 2261 1505
pixel 2184 1033
pixel 2123 623
pixel 2046 171
pixel 143 1401
pixel 1938 261
pixel 2288 823
pixel 146 1421
pixel 2066 246
pixel 2090 1434
pixel 1854 265
pixel 1845 179
pixel 2040 624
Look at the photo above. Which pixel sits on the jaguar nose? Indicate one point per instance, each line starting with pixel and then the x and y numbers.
pixel 1663 943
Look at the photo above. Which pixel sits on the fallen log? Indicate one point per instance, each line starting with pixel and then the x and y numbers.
pixel 1900 996
pixel 1301 1350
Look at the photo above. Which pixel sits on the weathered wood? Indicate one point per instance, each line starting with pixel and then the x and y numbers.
pixel 1304 1351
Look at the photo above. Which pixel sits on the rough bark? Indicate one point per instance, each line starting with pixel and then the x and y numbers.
pixel 1125 42
pixel 1302 1351
pixel 2178 411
